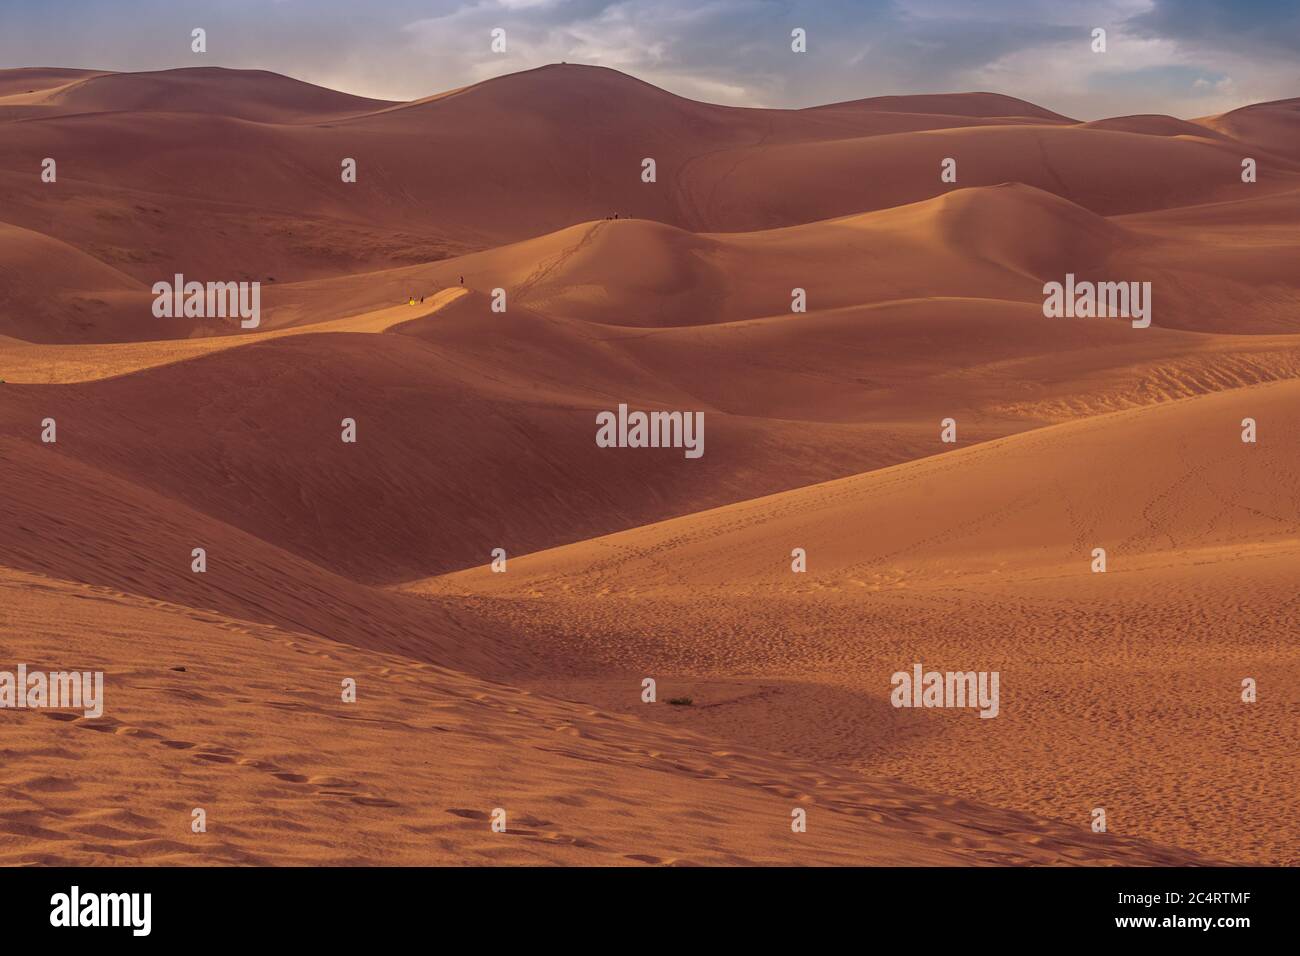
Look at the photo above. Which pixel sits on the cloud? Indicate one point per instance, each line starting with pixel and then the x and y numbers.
pixel 1187 57
pixel 1253 27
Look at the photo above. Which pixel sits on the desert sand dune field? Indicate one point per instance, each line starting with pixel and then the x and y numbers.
pixel 980 553
pixel 472 304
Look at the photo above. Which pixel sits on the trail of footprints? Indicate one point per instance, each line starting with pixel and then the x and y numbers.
pixel 684 754
pixel 324 786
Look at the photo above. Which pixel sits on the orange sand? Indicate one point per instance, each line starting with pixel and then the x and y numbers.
pixel 476 431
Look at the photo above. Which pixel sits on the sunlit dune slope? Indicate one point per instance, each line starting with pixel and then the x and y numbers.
pixel 35 363
pixel 21 81
pixel 1172 478
pixel 1272 126
pixel 256 95
pixel 246 721
pixel 74 521
pixel 1120 690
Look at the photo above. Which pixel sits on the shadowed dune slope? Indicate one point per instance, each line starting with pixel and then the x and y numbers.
pixel 448 464
pixel 53 292
pixel 1108 172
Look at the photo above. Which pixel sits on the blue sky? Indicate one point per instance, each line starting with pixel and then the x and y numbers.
pixel 1184 57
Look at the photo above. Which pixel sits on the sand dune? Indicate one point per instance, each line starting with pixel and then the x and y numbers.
pixel 1222 267
pixel 475 431
pixel 76 522
pixel 245 94
pixel 996 367
pixel 478 463
pixel 976 105
pixel 256 158
pixel 1272 126
pixel 643 273
pixel 54 292
pixel 792 399
pixel 25 362
pixel 966 244
pixel 1151 124
pixel 1038 501
pixel 498 412
pixel 979 559
pixel 34 79
pixel 245 721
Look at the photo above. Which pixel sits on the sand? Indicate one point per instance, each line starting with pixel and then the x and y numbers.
pixel 522 691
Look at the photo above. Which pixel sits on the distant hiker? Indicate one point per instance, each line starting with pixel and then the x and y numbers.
pixel 411 301
pixel 462 280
